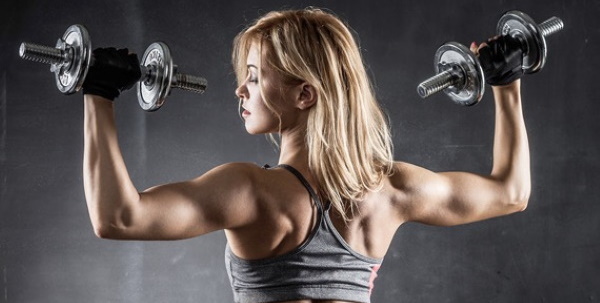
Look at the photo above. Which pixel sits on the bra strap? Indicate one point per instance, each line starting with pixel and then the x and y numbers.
pixel 300 177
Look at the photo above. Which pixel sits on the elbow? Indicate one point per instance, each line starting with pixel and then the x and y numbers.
pixel 105 231
pixel 112 226
pixel 514 193
pixel 521 203
pixel 101 232
pixel 519 200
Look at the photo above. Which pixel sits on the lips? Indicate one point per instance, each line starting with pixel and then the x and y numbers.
pixel 245 113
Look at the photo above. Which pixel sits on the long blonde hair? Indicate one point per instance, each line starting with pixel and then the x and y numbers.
pixel 348 137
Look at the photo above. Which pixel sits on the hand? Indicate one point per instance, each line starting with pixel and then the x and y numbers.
pixel 112 72
pixel 501 59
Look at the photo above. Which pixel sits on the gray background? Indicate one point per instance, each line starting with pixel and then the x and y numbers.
pixel 48 252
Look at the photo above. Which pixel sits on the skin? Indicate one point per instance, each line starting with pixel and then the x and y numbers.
pixel 266 213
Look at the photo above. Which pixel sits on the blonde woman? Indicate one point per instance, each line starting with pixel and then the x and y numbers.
pixel 316 226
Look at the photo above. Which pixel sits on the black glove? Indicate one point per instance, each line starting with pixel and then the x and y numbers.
pixel 112 72
pixel 502 60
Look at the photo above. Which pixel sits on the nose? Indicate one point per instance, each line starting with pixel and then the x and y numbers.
pixel 242 91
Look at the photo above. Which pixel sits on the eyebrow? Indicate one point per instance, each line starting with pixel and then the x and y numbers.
pixel 251 65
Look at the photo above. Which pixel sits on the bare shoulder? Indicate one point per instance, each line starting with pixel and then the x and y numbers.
pixel 237 181
pixel 411 185
pixel 407 177
pixel 398 186
pixel 246 169
pixel 228 194
pixel 235 173
pixel 242 167
pixel 250 182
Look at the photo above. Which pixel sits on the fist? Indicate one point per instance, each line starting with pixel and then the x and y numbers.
pixel 501 59
pixel 111 72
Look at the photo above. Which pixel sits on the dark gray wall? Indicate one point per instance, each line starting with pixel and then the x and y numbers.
pixel 48 253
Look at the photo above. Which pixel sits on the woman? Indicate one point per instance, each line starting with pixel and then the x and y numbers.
pixel 316 227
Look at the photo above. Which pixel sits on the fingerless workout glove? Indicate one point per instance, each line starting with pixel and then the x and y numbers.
pixel 112 72
pixel 502 60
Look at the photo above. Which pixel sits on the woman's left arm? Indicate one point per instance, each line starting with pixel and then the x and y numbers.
pixel 451 198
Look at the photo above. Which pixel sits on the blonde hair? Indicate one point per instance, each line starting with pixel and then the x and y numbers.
pixel 348 137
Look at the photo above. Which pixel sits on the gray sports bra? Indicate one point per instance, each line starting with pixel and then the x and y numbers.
pixel 324 267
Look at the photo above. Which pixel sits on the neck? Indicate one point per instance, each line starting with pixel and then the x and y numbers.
pixel 293 149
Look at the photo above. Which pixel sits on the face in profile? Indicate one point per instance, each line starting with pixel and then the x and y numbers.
pixel 258 117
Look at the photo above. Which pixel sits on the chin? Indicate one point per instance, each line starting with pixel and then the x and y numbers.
pixel 258 130
pixel 254 131
pixel 251 132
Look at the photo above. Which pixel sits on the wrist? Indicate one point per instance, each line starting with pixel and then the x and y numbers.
pixel 97 100
pixel 510 92
pixel 512 86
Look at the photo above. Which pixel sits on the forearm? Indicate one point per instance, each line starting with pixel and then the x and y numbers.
pixel 108 188
pixel 511 149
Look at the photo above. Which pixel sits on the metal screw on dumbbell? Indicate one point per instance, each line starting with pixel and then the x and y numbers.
pixel 69 60
pixel 72 56
pixel 459 73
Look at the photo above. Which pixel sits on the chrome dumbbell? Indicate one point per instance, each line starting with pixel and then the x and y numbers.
pixel 72 56
pixel 459 73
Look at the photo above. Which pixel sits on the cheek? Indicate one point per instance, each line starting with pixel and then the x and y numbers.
pixel 261 119
pixel 257 101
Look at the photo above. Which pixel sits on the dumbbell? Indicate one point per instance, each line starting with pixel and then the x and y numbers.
pixel 458 70
pixel 72 56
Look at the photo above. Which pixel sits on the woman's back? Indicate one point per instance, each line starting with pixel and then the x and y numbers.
pixel 287 216
pixel 296 247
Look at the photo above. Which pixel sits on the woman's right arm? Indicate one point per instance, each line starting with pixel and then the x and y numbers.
pixel 222 198
pixel 105 175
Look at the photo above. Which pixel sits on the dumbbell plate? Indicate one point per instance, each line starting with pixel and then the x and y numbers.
pixel 471 85
pixel 77 44
pixel 155 87
pixel 521 26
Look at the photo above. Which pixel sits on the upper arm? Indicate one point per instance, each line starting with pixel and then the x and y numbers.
pixel 222 198
pixel 450 198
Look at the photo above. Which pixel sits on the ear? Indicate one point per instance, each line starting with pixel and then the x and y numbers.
pixel 307 96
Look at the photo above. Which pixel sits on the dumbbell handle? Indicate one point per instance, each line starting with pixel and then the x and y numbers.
pixel 448 78
pixel 182 81
pixel 56 56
